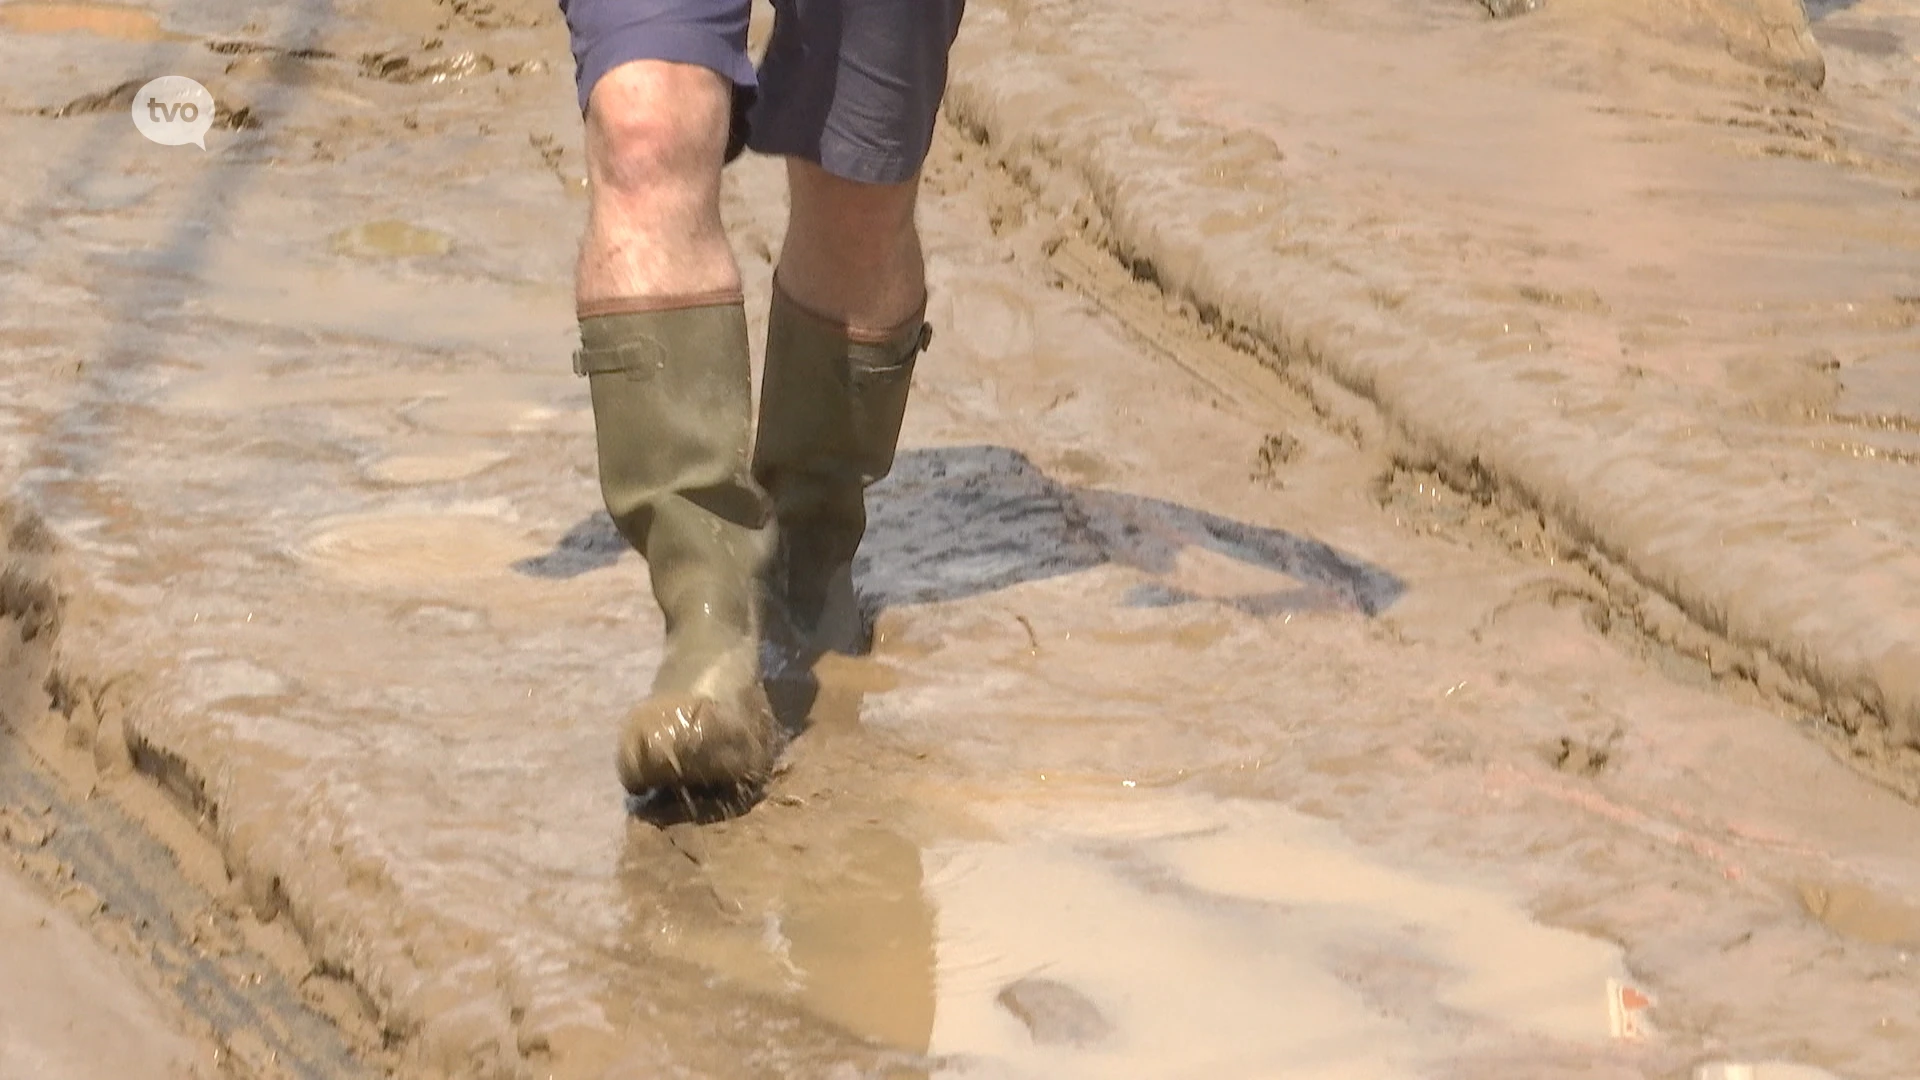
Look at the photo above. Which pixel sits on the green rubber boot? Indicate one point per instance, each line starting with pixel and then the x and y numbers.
pixel 831 404
pixel 671 411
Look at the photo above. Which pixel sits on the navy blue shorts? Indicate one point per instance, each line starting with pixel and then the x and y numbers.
pixel 851 85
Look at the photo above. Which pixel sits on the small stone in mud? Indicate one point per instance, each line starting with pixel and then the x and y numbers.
pixel 1054 1013
pixel 1507 9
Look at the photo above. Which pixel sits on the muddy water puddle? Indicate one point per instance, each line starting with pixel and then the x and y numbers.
pixel 389 239
pixel 417 551
pixel 1862 913
pixel 118 21
pixel 1154 934
pixel 432 466
pixel 431 400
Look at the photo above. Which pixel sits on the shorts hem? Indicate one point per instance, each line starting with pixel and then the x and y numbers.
pixel 676 44
pixel 860 165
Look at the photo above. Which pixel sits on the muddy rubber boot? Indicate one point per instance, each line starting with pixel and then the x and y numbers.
pixel 671 411
pixel 831 404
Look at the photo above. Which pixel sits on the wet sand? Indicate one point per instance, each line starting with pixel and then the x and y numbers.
pixel 1208 728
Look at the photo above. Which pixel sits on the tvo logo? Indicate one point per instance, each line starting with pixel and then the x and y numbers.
pixel 173 110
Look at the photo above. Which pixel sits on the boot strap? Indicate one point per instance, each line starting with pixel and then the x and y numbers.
pixel 881 357
pixel 644 355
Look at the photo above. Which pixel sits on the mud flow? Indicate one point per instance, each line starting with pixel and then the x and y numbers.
pixel 1400 564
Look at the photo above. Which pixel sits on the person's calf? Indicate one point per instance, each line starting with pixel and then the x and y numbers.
pixel 852 250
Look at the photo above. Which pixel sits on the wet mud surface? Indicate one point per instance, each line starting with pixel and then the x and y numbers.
pixel 1614 281
pixel 1207 730
pixel 129 950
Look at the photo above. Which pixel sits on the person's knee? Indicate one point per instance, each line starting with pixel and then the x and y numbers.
pixel 651 123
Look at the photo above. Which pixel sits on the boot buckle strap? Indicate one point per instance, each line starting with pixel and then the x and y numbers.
pixel 879 358
pixel 636 358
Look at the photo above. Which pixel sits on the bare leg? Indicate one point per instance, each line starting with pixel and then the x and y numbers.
pixel 655 136
pixel 852 252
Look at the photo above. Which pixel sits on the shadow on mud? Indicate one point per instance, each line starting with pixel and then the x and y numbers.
pixel 957 522
pixel 1820 9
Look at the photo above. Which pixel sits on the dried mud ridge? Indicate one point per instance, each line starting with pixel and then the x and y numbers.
pixel 1120 201
pixel 1471 506
pixel 1469 500
pixel 95 845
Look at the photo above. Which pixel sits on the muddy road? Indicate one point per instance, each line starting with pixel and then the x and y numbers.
pixel 1210 730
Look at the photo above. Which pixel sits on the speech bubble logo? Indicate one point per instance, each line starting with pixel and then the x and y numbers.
pixel 173 110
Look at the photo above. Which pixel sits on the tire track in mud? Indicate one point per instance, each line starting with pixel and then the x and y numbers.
pixel 256 1014
pixel 132 884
